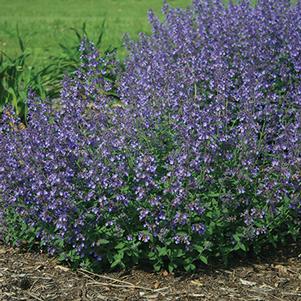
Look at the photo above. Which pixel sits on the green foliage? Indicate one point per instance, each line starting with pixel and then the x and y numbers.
pixel 18 232
pixel 18 77
pixel 67 61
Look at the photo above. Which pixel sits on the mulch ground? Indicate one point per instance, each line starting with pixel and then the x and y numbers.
pixel 28 276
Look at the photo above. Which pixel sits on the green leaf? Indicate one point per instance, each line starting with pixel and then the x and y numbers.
pixel 120 246
pixel 203 259
pixel 102 242
pixel 62 257
pixel 157 266
pixel 190 267
pixel 152 255
pixel 242 246
pixel 118 259
pixel 14 99
pixel 162 251
pixel 179 253
pixel 171 267
pixel 198 248
pixel 214 194
pixel 236 237
pixel 116 263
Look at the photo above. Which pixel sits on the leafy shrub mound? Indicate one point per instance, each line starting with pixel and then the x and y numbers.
pixel 192 152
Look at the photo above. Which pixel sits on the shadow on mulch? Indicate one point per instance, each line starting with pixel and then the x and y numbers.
pixel 32 276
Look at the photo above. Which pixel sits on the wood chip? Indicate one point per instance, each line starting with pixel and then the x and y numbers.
pixel 247 283
pixel 62 268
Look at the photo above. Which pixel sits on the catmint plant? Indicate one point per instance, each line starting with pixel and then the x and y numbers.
pixel 192 152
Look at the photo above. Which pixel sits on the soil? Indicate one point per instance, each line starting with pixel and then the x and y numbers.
pixel 33 276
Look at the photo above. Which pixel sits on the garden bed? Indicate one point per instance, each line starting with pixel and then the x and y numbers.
pixel 29 276
pixel 185 153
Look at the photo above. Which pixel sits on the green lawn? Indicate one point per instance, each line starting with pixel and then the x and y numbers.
pixel 43 24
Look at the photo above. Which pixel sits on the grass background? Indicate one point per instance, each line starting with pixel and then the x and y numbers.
pixel 43 24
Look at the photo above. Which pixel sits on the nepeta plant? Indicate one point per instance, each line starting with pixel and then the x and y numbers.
pixel 192 152
pixel 228 81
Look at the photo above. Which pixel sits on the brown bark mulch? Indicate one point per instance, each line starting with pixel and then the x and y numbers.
pixel 36 277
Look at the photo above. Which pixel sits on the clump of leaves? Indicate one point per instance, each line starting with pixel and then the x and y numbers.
pixel 18 78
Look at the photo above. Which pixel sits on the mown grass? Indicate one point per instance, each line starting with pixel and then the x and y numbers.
pixel 45 24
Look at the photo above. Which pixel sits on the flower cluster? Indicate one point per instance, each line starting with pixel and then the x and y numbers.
pixel 227 78
pixel 194 150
